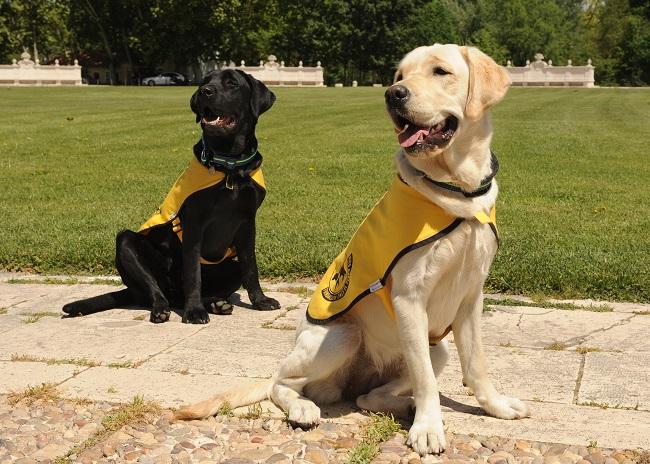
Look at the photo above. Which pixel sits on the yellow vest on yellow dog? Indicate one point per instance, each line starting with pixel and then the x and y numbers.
pixel 194 178
pixel 402 221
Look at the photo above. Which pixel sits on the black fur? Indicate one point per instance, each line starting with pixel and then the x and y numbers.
pixel 159 271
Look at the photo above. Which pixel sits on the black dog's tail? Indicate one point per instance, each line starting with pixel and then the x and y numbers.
pixel 99 303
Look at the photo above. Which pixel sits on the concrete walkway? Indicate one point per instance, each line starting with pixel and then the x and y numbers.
pixel 584 372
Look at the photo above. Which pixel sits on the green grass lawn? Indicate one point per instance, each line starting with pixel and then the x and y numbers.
pixel 78 165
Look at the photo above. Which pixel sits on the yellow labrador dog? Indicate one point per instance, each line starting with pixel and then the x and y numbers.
pixel 389 359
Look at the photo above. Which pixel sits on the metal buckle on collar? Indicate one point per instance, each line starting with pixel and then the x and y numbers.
pixel 229 183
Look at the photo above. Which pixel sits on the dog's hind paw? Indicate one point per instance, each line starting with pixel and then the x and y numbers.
pixel 221 307
pixel 506 407
pixel 72 310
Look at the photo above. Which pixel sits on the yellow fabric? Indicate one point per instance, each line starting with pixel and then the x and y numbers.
pixel 400 222
pixel 194 178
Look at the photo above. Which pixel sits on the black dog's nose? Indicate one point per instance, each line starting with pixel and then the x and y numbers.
pixel 207 90
pixel 397 95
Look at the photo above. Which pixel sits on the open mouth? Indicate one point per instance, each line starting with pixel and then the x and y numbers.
pixel 213 119
pixel 412 137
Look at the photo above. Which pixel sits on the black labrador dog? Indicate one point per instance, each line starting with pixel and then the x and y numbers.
pixel 215 254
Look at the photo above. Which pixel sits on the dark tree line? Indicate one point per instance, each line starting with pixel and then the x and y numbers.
pixel 354 39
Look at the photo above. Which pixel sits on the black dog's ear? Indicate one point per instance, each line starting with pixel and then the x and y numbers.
pixel 262 98
pixel 194 106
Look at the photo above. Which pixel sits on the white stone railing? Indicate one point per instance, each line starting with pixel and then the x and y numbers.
pixel 541 73
pixel 28 72
pixel 274 73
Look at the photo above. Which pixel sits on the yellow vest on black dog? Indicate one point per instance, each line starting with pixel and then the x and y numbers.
pixel 194 178
pixel 402 221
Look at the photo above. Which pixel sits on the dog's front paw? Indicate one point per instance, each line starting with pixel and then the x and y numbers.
pixel 158 316
pixel 265 303
pixel 196 316
pixel 427 437
pixel 506 407
pixel 303 414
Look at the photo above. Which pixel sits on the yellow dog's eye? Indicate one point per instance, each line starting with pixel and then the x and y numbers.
pixel 398 77
pixel 440 71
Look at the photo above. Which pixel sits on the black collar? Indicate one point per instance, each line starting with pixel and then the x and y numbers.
pixel 484 188
pixel 246 162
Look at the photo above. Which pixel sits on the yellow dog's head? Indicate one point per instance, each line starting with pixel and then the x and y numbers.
pixel 440 90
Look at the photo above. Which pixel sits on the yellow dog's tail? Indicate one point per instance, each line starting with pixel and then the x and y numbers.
pixel 234 398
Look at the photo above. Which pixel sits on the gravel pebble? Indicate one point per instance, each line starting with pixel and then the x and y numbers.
pixel 43 431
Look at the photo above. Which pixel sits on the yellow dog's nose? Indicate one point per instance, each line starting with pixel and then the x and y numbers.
pixel 397 95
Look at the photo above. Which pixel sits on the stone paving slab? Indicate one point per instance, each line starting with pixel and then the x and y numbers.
pixel 541 327
pixel 169 389
pixel 47 297
pixel 239 353
pixel 16 376
pixel 107 340
pixel 616 306
pixel 176 363
pixel 625 337
pixel 616 380
pixel 10 321
pixel 526 373
pixel 554 423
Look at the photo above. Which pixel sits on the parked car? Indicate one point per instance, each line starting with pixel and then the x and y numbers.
pixel 166 78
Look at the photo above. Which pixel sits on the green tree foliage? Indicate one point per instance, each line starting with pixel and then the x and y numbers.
pixel 518 29
pixel 25 24
pixel 359 40
pixel 619 34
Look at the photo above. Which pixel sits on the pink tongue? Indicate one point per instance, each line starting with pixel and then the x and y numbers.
pixel 411 135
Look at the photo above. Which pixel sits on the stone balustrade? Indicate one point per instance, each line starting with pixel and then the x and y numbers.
pixel 273 73
pixel 541 73
pixel 28 72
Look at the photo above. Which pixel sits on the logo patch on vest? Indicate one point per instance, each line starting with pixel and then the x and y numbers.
pixel 339 282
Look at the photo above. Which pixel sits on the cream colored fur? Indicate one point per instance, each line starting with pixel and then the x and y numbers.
pixel 390 363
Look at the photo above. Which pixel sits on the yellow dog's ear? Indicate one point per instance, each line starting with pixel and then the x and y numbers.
pixel 488 82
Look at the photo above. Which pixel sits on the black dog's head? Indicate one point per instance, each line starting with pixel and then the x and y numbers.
pixel 228 104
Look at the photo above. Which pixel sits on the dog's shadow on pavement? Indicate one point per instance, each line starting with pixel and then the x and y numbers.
pixel 235 300
pixel 345 408
pixel 454 405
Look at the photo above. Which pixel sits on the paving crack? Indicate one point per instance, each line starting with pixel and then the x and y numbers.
pixel 581 371
pixel 497 309
pixel 582 338
pixel 74 374
pixel 141 362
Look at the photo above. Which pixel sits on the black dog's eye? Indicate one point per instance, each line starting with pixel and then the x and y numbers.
pixel 440 71
pixel 232 83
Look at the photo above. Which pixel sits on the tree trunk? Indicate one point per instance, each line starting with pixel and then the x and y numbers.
pixel 129 60
pixel 107 47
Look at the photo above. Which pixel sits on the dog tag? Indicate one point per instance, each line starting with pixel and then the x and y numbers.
pixel 211 170
pixel 376 285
